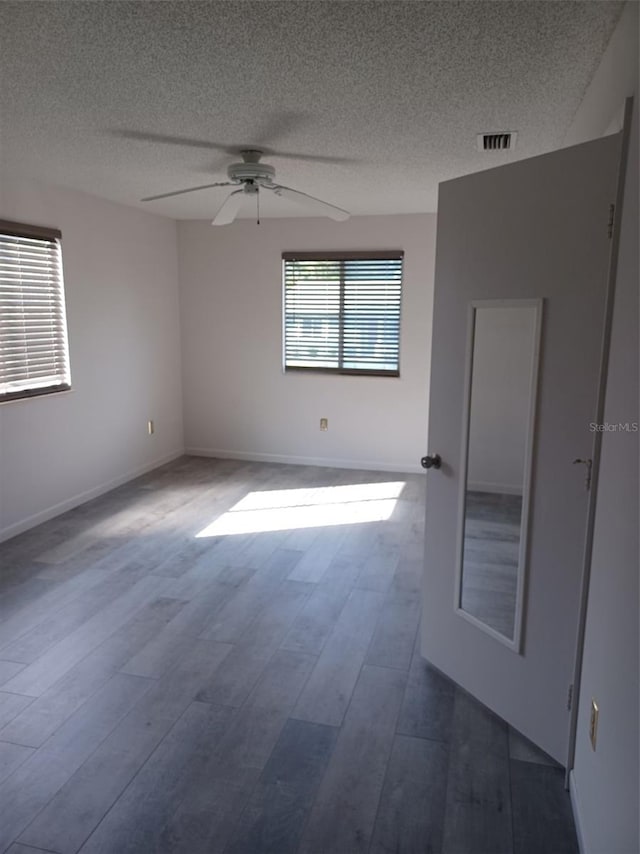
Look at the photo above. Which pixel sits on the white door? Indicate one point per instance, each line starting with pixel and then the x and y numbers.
pixel 521 272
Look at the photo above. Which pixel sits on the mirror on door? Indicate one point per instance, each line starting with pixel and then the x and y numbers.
pixel 502 369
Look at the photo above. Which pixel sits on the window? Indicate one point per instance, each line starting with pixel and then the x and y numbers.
pixel 33 333
pixel 342 312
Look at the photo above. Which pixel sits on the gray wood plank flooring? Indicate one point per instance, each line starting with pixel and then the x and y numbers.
pixel 257 693
pixel 412 803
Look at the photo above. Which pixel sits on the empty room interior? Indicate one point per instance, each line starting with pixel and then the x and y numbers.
pixel 319 427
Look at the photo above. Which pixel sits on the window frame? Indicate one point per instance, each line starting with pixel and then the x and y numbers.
pixel 362 255
pixel 27 231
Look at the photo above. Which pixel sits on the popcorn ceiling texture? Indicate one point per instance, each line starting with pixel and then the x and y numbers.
pixel 401 87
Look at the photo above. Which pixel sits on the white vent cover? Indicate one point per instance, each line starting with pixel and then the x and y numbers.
pixel 504 140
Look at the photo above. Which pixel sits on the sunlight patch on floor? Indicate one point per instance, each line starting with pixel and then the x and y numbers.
pixel 288 509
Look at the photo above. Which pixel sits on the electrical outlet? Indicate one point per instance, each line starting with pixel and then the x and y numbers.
pixel 324 423
pixel 593 724
pixel 150 427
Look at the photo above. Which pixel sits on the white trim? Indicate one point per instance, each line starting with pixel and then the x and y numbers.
pixel 463 469
pixel 605 347
pixel 83 497
pixel 328 462
pixel 499 488
pixel 486 628
pixel 537 304
pixel 575 806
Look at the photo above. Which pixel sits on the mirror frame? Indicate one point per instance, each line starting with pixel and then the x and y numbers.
pixel 514 643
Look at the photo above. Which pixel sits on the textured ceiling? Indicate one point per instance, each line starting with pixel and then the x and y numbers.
pixel 395 91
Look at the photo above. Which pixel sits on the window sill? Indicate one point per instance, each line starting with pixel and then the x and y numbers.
pixel 32 397
pixel 340 372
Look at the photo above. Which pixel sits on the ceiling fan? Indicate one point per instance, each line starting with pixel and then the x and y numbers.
pixel 251 176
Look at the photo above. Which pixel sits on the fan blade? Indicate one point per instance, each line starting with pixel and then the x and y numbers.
pixel 310 202
pixel 271 127
pixel 310 158
pixel 282 124
pixel 229 209
pixel 268 131
pixel 220 163
pixel 189 190
pixel 167 139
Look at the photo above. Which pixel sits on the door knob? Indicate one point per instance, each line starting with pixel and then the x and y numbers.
pixel 432 461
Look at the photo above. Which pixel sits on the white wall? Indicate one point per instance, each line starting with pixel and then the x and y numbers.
pixel 120 268
pixel 605 782
pixel 500 398
pixel 237 400
pixel 602 107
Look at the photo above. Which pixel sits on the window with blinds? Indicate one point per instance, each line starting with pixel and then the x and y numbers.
pixel 342 312
pixel 34 355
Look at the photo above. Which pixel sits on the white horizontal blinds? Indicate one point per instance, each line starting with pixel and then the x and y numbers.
pixel 342 312
pixel 312 313
pixel 371 314
pixel 33 338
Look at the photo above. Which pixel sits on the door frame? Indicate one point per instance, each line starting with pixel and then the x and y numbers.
pixel 597 439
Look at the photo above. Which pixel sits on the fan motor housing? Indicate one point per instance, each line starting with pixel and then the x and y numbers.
pixel 251 172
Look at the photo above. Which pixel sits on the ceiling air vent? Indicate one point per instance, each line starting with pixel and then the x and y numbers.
pixel 497 141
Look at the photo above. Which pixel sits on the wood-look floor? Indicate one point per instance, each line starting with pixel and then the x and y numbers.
pixel 250 693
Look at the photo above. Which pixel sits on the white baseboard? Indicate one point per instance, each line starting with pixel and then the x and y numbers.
pixel 83 497
pixel 366 465
pixel 575 806
pixel 500 488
